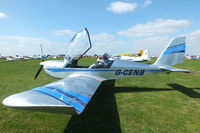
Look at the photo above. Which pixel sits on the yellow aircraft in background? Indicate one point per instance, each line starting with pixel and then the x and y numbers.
pixel 132 54
pixel 137 57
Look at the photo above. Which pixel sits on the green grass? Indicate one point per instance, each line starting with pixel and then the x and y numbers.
pixel 163 103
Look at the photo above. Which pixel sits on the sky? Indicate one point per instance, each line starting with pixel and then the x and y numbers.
pixel 116 27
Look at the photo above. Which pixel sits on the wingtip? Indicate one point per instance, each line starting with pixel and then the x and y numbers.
pixel 35 101
pixel 15 101
pixel 8 101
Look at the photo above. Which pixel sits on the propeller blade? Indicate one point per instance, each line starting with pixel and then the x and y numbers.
pixel 39 70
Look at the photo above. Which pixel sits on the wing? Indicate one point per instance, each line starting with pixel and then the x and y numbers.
pixel 69 95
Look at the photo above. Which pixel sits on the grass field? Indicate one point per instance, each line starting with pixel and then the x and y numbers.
pixel 164 103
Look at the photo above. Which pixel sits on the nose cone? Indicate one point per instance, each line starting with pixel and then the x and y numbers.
pixel 41 63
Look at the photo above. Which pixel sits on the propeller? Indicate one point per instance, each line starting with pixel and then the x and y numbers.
pixel 41 66
pixel 39 70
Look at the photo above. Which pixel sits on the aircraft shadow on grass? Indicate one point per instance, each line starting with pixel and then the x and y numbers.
pixel 101 114
pixel 187 91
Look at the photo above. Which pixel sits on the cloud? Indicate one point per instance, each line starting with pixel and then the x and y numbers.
pixel 101 43
pixel 155 45
pixel 194 36
pixel 104 37
pixel 2 15
pixel 112 47
pixel 20 45
pixel 147 3
pixel 105 43
pixel 155 28
pixel 22 39
pixel 121 7
pixel 63 32
pixel 193 42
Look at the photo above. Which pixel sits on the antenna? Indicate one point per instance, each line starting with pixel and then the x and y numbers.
pixel 42 56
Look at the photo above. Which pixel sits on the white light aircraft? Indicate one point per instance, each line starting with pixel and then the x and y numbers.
pixel 77 85
pixel 144 57
pixel 11 58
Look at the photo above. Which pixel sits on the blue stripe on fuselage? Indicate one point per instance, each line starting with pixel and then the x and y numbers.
pixel 92 70
pixel 154 70
pixel 80 70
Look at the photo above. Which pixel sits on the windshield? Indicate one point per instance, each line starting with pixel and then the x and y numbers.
pixel 79 45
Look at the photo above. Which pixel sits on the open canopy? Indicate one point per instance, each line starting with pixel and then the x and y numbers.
pixel 78 46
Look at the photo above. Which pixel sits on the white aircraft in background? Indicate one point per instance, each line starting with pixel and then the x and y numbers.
pixel 9 59
pixel 78 84
pixel 132 57
pixel 12 58
pixel 26 58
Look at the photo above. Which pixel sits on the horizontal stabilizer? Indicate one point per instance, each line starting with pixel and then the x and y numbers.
pixel 173 69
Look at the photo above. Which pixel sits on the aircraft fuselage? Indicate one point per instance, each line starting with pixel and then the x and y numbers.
pixel 119 69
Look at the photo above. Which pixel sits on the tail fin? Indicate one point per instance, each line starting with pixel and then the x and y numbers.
pixel 145 55
pixel 173 53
